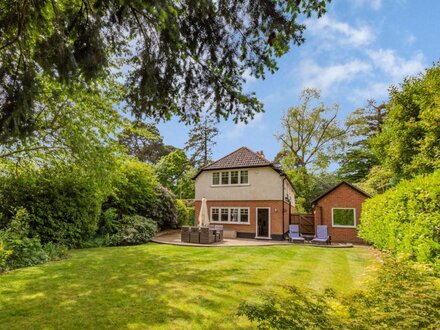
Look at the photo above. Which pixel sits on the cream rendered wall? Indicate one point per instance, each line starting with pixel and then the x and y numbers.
pixel 264 184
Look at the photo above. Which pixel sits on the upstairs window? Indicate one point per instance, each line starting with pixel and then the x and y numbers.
pixel 243 177
pixel 343 217
pixel 215 178
pixel 225 177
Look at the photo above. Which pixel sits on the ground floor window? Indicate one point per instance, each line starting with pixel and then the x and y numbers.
pixel 344 217
pixel 239 215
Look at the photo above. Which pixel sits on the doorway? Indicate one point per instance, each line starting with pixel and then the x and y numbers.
pixel 263 222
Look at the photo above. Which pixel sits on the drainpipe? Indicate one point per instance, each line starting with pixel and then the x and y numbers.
pixel 282 199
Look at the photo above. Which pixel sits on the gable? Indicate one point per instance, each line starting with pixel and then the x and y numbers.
pixel 332 190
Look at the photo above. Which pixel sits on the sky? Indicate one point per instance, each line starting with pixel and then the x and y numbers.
pixel 352 54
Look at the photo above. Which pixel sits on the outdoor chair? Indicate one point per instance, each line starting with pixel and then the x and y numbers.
pixel 219 233
pixel 207 235
pixel 322 236
pixel 184 234
pixel 194 235
pixel 294 235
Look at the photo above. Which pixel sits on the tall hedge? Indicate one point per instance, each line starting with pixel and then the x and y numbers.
pixel 405 220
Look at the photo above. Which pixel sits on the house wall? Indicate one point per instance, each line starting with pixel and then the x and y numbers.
pixel 264 184
pixel 249 230
pixel 342 197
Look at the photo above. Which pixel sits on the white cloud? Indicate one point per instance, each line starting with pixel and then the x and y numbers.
pixel 410 39
pixel 373 4
pixel 234 131
pixel 248 77
pixel 332 30
pixel 375 90
pixel 326 77
pixel 396 67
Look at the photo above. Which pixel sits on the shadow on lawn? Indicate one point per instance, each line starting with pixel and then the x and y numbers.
pixel 121 287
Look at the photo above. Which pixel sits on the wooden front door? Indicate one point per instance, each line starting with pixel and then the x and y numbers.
pixel 263 223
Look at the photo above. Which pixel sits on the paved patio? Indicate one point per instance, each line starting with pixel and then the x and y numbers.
pixel 172 237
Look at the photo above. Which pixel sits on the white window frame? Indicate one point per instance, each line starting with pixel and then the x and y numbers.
pixel 229 184
pixel 256 224
pixel 344 208
pixel 229 215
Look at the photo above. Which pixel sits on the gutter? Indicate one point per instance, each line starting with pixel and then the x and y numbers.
pixel 282 199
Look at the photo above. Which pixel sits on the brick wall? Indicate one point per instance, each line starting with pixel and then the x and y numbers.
pixel 276 216
pixel 342 197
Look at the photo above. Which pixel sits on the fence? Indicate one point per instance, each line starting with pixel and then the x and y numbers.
pixel 306 223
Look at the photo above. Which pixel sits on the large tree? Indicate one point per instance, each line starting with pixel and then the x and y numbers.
pixel 311 133
pixel 143 141
pixel 178 57
pixel 409 143
pixel 359 158
pixel 201 140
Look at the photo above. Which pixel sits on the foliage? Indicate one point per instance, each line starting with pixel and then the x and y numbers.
pixel 297 309
pixel 134 229
pixel 183 56
pixel 17 250
pixel 410 141
pixel 185 213
pixel 64 204
pixel 310 186
pixel 402 296
pixel 201 141
pixel 358 159
pixel 405 220
pixel 175 172
pixel 136 191
pixel 143 141
pixel 311 134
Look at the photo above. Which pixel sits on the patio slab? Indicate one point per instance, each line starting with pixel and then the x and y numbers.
pixel 172 237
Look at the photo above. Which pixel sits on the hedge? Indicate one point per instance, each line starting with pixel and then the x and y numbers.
pixel 405 220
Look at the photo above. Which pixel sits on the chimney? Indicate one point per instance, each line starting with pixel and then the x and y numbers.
pixel 260 154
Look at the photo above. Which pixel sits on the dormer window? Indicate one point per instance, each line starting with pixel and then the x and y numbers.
pixel 226 178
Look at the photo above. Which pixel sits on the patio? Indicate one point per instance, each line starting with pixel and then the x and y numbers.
pixel 172 237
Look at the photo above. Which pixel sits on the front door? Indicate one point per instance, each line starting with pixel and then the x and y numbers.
pixel 263 223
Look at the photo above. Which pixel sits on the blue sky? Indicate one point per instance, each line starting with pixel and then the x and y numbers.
pixel 353 53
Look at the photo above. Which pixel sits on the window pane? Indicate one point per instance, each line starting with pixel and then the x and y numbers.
pixel 216 178
pixel 243 176
pixel 215 215
pixel 343 217
pixel 224 216
pixel 234 177
pixel 234 215
pixel 244 215
pixel 225 177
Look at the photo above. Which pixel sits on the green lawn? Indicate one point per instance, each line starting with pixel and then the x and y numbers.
pixel 167 287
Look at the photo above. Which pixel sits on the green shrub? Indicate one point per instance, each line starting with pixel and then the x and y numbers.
pixel 405 220
pixel 137 192
pixel 402 296
pixel 63 206
pixel 17 250
pixel 131 230
pixel 184 213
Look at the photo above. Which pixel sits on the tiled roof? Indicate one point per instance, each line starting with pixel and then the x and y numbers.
pixel 242 157
pixel 338 185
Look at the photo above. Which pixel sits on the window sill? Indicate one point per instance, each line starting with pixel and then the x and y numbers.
pixel 229 223
pixel 339 226
pixel 230 185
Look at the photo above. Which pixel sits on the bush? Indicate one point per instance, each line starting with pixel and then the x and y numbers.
pixel 184 213
pixel 131 230
pixel 63 207
pixel 137 192
pixel 406 220
pixel 402 296
pixel 17 250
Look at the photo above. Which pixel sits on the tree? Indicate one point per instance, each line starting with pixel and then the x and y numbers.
pixel 311 134
pixel 181 56
pixel 409 143
pixel 174 172
pixel 144 142
pixel 201 141
pixel 359 158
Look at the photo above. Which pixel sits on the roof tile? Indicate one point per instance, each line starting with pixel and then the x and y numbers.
pixel 242 157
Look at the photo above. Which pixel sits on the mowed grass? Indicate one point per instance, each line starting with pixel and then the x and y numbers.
pixel 157 286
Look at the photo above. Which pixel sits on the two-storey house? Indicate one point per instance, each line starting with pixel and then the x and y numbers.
pixel 247 194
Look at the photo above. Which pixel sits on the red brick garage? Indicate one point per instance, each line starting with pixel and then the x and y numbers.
pixel 340 208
